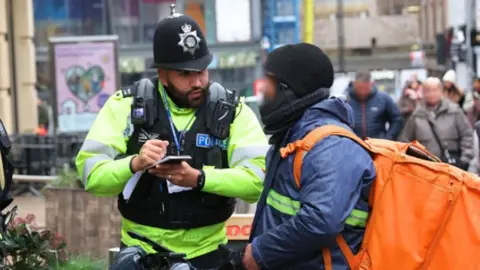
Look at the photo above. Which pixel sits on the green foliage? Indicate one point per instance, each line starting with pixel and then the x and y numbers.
pixel 25 247
pixel 67 178
pixel 83 263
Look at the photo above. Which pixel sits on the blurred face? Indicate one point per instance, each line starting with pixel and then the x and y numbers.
pixel 414 85
pixel 267 88
pixel 362 89
pixel 476 85
pixel 448 84
pixel 432 93
pixel 187 88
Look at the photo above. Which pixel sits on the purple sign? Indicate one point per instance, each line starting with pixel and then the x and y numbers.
pixel 86 74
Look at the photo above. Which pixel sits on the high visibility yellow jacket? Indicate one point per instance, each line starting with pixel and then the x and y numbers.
pixel 104 176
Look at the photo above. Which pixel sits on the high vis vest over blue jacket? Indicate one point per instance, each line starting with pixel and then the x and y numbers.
pixel 291 226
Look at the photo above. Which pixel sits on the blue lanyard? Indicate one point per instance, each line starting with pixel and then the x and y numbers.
pixel 167 108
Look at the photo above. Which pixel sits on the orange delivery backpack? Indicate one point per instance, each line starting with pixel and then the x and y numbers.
pixel 424 214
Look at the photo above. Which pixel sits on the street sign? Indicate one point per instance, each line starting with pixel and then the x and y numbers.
pixel 417 58
pixel 265 43
pixel 458 52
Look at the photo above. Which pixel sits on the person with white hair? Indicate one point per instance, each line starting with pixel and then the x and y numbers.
pixel 452 91
pixel 441 126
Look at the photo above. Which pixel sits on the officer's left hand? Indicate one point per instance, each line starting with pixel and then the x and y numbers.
pixel 248 260
pixel 179 174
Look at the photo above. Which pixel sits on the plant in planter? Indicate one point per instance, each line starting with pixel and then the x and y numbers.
pixel 67 178
pixel 25 247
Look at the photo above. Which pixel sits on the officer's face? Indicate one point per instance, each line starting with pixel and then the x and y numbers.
pixel 188 87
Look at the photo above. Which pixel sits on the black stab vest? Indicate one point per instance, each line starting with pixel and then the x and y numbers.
pixel 150 203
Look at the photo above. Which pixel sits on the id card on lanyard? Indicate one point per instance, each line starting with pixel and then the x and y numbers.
pixel 178 140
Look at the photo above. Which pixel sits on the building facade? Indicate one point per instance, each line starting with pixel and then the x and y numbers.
pixel 233 32
pixel 17 67
pixel 382 36
pixel 442 20
pixel 378 34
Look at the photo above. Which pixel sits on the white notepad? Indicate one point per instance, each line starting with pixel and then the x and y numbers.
pixel 130 186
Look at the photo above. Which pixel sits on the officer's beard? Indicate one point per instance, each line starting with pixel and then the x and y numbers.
pixel 186 100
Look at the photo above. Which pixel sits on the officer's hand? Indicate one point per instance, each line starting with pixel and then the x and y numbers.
pixel 151 151
pixel 179 174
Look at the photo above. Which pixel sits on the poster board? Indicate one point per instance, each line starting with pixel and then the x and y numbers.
pixel 85 75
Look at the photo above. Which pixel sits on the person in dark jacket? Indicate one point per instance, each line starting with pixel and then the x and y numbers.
pixel 291 225
pixel 373 109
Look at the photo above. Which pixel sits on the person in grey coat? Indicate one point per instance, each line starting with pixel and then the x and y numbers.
pixel 441 126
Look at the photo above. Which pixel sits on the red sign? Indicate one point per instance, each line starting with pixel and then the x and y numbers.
pixel 238 227
pixel 237 232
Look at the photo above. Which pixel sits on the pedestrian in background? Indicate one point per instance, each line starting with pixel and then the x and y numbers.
pixel 441 126
pixel 452 91
pixel 411 96
pixel 373 109
pixel 472 103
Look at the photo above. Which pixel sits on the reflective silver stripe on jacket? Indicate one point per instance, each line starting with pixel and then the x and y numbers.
pixel 253 168
pixel 246 153
pixel 102 151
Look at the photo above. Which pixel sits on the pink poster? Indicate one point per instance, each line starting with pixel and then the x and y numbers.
pixel 86 75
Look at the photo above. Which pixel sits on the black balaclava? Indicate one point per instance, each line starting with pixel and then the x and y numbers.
pixel 304 74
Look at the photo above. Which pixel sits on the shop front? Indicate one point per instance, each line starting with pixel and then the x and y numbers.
pixel 234 42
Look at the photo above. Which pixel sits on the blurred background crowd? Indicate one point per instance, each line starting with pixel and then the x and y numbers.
pixel 437 112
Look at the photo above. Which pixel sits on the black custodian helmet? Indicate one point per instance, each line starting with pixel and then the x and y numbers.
pixel 179 44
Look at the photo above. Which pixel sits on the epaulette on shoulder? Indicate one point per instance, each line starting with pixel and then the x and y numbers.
pixel 124 93
pixel 127 91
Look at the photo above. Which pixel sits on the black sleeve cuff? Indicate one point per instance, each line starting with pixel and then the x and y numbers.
pixel 130 164
pixel 200 180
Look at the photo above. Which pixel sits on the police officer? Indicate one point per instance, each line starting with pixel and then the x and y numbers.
pixel 181 206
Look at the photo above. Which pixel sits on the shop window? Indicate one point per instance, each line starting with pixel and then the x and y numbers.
pixel 351 8
pixel 240 79
pixel 68 18
pixel 203 12
pixel 134 21
pixel 152 12
pixel 125 18
pixel 396 7
pixel 233 21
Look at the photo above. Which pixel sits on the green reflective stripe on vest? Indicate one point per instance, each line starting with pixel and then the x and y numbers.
pixel 357 218
pixel 283 203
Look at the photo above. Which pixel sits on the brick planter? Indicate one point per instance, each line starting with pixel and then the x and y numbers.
pixel 90 224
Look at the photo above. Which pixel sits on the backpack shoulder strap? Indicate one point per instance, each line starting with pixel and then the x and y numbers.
pixel 301 147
